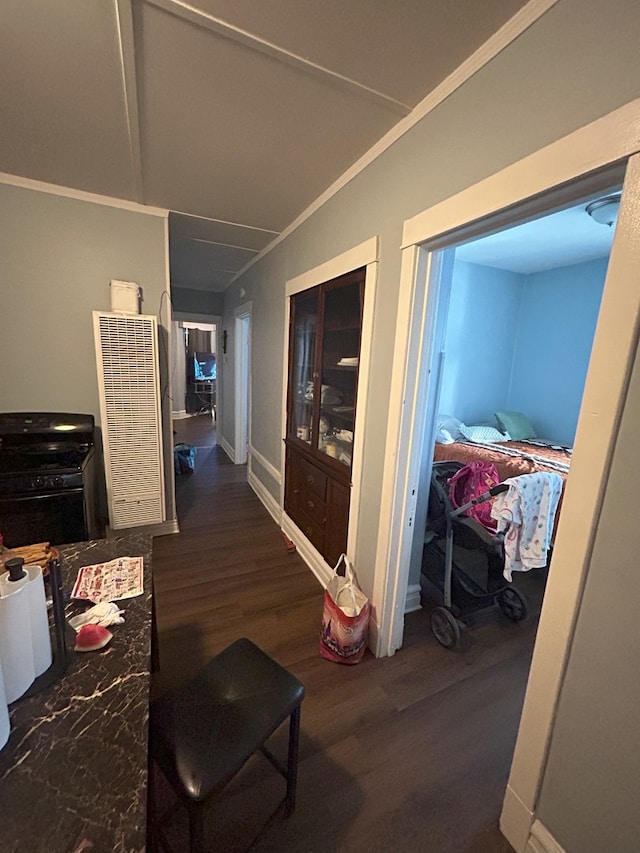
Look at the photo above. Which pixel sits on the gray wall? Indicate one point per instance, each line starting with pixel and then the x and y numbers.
pixel 549 82
pixel 187 301
pixel 589 797
pixel 58 257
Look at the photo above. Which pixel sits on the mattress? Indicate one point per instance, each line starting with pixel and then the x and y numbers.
pixel 511 458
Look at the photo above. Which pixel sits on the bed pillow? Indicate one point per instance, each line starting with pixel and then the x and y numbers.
pixel 448 429
pixel 516 424
pixel 483 433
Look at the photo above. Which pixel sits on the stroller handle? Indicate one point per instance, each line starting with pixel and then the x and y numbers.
pixel 485 496
pixel 498 490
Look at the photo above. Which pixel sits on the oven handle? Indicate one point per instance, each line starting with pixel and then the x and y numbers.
pixel 39 496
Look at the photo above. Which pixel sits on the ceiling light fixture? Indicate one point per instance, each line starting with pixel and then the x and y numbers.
pixel 605 210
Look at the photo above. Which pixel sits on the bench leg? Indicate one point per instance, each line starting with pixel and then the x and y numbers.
pixel 292 760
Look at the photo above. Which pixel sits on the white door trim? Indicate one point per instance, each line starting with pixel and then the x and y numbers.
pixel 590 158
pixel 242 363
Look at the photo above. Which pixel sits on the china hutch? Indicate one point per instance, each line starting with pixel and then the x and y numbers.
pixel 324 353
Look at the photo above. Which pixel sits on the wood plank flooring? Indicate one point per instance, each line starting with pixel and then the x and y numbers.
pixel 409 753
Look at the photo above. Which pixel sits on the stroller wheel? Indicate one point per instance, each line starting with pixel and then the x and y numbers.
pixel 513 604
pixel 445 628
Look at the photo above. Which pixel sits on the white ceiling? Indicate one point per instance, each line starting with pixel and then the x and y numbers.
pixel 233 114
pixel 559 239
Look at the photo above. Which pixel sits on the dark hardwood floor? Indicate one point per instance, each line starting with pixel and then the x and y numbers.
pixel 408 753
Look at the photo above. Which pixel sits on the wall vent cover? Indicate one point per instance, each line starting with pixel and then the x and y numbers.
pixel 128 380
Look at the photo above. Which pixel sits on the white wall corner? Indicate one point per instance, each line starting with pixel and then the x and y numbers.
pixel 541 840
pixel 515 821
pixel 228 449
pixel 266 498
pixel 412 601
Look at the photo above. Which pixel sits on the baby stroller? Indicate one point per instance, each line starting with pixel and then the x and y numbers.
pixel 464 560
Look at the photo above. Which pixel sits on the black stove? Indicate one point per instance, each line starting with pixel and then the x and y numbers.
pixel 48 486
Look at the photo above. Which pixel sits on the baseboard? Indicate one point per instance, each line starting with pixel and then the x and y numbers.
pixel 228 449
pixel 541 840
pixel 515 821
pixel 264 463
pixel 266 498
pixel 181 414
pixel 412 601
pixel 374 637
pixel 307 551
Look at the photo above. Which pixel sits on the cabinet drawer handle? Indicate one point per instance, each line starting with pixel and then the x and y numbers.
pixel 310 479
pixel 311 504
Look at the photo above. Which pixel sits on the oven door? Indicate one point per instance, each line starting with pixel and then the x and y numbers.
pixel 54 517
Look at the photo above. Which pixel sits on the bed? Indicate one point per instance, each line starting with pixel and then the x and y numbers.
pixel 510 443
pixel 511 458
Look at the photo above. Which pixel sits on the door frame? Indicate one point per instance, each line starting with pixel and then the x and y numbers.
pixel 243 316
pixel 586 161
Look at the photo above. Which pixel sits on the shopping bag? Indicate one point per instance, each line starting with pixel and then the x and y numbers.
pixel 345 617
pixel 184 458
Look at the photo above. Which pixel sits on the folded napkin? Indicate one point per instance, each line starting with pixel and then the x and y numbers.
pixel 105 613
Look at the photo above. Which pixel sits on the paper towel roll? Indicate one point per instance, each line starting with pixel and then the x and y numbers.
pixel 40 636
pixel 25 642
pixel 16 650
pixel 5 724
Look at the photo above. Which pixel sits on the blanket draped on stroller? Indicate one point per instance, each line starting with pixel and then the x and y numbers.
pixel 526 514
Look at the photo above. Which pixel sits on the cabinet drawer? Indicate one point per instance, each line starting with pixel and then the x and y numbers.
pixel 313 479
pixel 311 529
pixel 312 505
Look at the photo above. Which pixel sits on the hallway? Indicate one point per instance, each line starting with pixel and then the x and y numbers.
pixel 405 754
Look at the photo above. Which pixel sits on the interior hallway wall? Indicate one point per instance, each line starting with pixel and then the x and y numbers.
pixel 589 792
pixel 513 106
pixel 58 257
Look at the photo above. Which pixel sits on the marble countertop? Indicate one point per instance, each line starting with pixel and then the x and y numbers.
pixel 73 775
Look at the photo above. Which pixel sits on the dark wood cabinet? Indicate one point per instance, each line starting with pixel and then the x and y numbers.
pixel 324 353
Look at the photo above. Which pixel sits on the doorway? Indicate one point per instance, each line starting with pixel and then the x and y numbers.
pixel 516 319
pixel 561 174
pixel 195 382
pixel 200 346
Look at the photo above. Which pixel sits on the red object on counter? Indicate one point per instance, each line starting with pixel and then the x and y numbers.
pixel 90 638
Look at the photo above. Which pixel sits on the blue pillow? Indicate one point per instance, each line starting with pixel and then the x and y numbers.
pixel 516 424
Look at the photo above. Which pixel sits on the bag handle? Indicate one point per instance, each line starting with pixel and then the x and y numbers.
pixel 348 567
pixel 349 576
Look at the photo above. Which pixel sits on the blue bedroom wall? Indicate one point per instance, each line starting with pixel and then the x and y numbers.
pixel 484 310
pixel 521 343
pixel 553 345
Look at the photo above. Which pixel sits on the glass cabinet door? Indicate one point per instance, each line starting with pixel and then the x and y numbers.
pixel 341 325
pixel 302 347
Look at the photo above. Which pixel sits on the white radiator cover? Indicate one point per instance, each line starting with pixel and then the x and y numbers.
pixel 129 386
